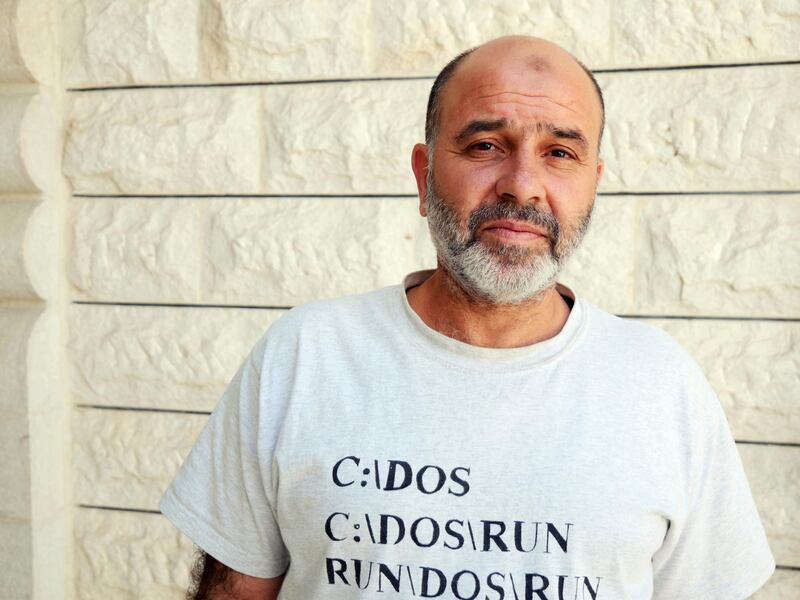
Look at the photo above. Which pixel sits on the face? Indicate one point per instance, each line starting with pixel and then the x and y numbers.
pixel 510 187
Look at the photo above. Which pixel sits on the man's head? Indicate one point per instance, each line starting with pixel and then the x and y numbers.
pixel 508 176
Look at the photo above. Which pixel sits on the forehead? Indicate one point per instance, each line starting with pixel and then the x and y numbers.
pixel 525 91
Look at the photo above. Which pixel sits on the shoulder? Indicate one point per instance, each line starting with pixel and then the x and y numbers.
pixel 631 335
pixel 324 322
pixel 640 347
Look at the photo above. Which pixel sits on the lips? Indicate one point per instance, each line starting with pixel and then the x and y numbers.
pixel 514 229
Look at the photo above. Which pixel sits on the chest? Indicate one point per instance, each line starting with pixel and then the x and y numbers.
pixel 475 477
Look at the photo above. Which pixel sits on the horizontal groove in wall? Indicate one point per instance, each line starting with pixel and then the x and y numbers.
pixel 143 409
pixel 783 444
pixel 292 196
pixel 710 318
pixel 187 305
pixel 121 509
pixel 286 196
pixel 266 307
pixel 690 67
pixel 787 568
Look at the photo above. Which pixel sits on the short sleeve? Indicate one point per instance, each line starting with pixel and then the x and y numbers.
pixel 221 496
pixel 719 551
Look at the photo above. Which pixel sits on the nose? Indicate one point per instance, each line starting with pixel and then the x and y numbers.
pixel 520 181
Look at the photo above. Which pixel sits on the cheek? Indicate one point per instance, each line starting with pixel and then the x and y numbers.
pixel 467 179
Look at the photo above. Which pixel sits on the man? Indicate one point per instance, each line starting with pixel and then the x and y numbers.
pixel 478 432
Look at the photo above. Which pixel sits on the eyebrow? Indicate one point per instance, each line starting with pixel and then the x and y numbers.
pixel 564 133
pixel 479 126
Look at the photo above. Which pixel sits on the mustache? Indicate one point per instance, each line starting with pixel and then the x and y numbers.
pixel 506 209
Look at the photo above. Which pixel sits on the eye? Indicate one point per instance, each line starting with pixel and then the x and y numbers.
pixel 560 153
pixel 482 147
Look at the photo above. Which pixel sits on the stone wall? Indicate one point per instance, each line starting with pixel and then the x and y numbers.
pixel 35 497
pixel 221 156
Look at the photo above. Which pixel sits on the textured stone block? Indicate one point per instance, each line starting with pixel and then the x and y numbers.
pixel 269 40
pixel 602 268
pixel 26 40
pixel 420 36
pixel 27 141
pixel 158 357
pixel 129 556
pixel 702 130
pixel 783 585
pixel 737 256
pixel 343 138
pixel 284 252
pixel 665 32
pixel 127 458
pixel 201 141
pixel 135 249
pixel 754 366
pixel 774 476
pixel 113 42
pixel 269 252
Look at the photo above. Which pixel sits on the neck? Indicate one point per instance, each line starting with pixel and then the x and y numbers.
pixel 446 307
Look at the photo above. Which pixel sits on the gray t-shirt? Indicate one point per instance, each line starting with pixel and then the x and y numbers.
pixel 377 458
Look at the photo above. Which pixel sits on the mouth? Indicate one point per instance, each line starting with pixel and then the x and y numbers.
pixel 510 230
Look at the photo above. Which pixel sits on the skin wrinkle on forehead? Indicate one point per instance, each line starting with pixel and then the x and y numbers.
pixel 542 96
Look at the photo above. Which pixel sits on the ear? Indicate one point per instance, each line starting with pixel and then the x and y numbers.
pixel 601 166
pixel 419 164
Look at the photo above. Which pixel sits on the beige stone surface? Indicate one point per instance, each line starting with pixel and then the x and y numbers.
pixel 267 252
pixel 135 250
pixel 419 37
pixel 703 130
pixel 783 585
pixel 27 141
pixel 288 251
pixel 127 42
pixel 15 469
pixel 113 42
pixel 159 357
pixel 29 249
pixel 16 325
pixel 774 476
pixel 602 268
pixel 27 40
pixel 168 141
pixel 666 32
pixel 274 40
pixel 719 255
pixel 12 66
pixel 754 366
pixel 343 138
pixel 14 277
pixel 130 556
pixel 15 556
pixel 126 458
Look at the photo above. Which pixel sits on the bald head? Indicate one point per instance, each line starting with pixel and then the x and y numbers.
pixel 529 55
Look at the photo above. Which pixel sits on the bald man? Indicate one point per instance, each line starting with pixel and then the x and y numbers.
pixel 477 431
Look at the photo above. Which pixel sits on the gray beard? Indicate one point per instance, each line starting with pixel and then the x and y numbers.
pixel 503 273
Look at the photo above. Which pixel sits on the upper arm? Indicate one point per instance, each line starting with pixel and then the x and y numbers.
pixel 215 581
